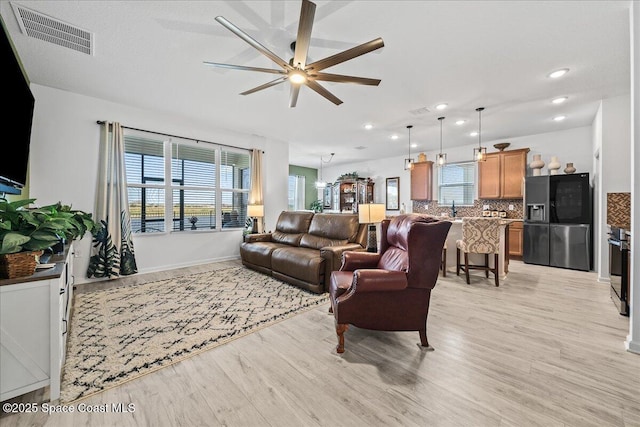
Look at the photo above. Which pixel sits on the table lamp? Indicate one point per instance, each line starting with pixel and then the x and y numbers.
pixel 371 213
pixel 255 212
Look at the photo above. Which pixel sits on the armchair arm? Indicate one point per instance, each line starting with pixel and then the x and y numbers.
pixel 259 237
pixel 375 280
pixel 332 256
pixel 352 261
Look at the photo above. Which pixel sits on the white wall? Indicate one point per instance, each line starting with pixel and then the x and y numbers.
pixel 613 143
pixel 573 145
pixel 603 273
pixel 64 158
pixel 633 340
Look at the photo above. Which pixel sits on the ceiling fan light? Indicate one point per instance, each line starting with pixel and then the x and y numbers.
pixel 297 77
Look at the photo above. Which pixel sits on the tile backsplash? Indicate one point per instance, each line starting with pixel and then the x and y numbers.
pixel 432 208
pixel 619 210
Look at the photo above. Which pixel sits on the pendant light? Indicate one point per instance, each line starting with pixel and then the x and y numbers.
pixel 441 158
pixel 408 163
pixel 480 153
pixel 320 184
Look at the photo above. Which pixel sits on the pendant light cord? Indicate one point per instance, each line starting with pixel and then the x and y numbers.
pixel 441 119
pixel 479 110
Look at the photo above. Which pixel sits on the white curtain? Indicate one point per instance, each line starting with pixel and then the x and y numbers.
pixel 112 254
pixel 255 195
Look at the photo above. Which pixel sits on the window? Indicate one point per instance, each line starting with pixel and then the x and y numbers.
pixel 296 192
pixel 456 183
pixel 204 186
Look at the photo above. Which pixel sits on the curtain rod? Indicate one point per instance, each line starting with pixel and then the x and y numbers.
pixel 101 122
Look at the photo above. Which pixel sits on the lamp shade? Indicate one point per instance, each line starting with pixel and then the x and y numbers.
pixel 370 213
pixel 255 210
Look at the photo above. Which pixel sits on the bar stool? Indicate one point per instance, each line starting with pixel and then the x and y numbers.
pixel 443 262
pixel 479 236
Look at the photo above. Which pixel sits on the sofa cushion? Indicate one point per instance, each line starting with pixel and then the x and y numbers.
pixel 291 239
pixel 259 253
pixel 318 242
pixel 294 222
pixel 335 226
pixel 302 263
pixel 290 227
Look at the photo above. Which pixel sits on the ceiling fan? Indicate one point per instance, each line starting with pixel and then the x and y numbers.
pixel 297 71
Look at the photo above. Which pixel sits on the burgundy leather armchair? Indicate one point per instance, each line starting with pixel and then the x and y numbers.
pixel 390 290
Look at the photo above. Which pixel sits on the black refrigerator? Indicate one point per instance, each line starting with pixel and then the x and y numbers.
pixel 558 221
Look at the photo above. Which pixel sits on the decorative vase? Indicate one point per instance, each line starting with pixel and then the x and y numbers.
pixel 422 157
pixel 554 166
pixel 537 164
pixel 569 169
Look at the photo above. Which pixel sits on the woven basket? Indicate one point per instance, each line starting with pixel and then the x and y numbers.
pixel 20 264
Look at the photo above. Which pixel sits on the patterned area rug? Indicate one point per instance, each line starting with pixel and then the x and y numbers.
pixel 120 334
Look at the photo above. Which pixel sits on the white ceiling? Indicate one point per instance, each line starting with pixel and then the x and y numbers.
pixel 467 54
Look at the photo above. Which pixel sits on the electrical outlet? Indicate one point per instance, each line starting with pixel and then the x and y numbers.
pixel 511 207
pixel 485 207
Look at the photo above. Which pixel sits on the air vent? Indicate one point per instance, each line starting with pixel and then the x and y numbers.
pixel 43 27
pixel 360 147
pixel 420 111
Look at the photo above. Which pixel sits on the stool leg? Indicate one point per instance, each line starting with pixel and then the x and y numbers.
pixel 466 267
pixel 486 264
pixel 495 270
pixel 443 264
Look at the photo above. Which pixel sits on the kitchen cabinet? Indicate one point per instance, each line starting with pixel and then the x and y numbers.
pixel 35 312
pixel 516 238
pixel 501 176
pixel 422 181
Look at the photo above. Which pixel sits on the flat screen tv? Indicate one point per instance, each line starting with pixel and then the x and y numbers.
pixel 16 121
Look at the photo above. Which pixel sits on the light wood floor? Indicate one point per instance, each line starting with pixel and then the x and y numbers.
pixel 545 348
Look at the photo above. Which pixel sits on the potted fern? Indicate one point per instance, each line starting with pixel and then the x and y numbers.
pixel 26 232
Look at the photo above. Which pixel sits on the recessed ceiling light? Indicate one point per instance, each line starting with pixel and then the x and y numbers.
pixel 559 100
pixel 394 137
pixel 558 73
pixel 559 118
pixel 414 145
pixel 473 134
pixel 460 122
pixel 441 106
pixel 368 126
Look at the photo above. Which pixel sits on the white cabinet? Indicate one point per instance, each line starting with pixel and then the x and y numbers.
pixel 35 312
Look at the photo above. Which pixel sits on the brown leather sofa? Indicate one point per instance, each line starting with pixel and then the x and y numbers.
pixel 305 247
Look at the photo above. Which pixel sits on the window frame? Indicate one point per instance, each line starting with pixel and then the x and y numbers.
pixel 170 184
pixel 474 184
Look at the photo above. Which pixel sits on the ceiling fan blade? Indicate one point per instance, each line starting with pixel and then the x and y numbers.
pixel 322 91
pixel 264 86
pixel 345 79
pixel 307 12
pixel 252 42
pixel 346 55
pixel 244 68
pixel 293 96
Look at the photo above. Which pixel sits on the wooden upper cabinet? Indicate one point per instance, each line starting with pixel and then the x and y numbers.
pixel 501 176
pixel 489 177
pixel 422 181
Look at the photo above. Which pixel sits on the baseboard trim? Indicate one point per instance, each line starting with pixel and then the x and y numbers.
pixel 632 346
pixel 604 279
